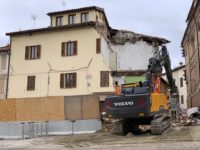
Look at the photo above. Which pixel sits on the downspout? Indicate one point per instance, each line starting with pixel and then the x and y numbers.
pixel 7 81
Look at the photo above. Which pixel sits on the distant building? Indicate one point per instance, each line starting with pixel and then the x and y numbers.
pixel 191 52
pixel 4 61
pixel 179 76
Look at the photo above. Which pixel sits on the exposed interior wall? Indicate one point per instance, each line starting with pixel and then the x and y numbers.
pixel 133 56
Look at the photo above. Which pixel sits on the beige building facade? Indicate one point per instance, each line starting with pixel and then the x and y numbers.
pixel 74 56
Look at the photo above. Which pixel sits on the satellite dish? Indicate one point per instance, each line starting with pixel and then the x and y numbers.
pixel 33 18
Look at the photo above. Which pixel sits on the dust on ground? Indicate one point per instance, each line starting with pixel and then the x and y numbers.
pixel 84 141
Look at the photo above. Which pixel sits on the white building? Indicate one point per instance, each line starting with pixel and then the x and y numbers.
pixel 179 76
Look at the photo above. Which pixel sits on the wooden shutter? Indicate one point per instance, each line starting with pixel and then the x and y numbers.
pixel 27 52
pixel 104 78
pixel 75 47
pixel 98 45
pixel 62 76
pixel 31 83
pixel 38 51
pixel 74 79
pixel 63 49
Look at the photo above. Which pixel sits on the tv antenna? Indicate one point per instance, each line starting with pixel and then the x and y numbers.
pixel 64 4
pixel 34 18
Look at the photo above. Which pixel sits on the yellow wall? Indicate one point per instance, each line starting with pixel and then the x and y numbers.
pixel 51 53
pixel 92 17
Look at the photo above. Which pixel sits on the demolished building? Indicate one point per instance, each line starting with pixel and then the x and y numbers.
pixel 72 65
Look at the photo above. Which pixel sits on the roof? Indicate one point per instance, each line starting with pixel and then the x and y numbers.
pixel 176 69
pixel 53 28
pixel 147 38
pixel 76 10
pixel 91 23
pixel 191 13
pixel 5 48
pixel 80 9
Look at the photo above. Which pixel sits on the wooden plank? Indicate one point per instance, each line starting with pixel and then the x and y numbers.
pixel 90 107
pixel 73 108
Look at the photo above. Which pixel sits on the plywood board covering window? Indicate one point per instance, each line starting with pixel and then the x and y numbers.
pixel 68 80
pixel 30 83
pixel 69 48
pixel 104 78
pixel 33 52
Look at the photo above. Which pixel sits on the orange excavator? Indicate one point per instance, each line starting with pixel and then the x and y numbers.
pixel 143 103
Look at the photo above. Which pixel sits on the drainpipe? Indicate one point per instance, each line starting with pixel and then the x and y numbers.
pixel 7 81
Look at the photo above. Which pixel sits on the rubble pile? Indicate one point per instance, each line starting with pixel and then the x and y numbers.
pixel 189 117
pixel 108 123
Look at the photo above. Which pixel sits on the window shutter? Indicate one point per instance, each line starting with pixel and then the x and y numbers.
pixel 31 83
pixel 38 51
pixel 101 79
pixel 74 80
pixel 27 52
pixel 104 78
pixel 62 80
pixel 63 49
pixel 98 45
pixel 75 47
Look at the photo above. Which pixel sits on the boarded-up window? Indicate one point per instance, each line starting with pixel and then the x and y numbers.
pixel 104 78
pixel 33 52
pixel 68 80
pixel 98 45
pixel 69 48
pixel 31 83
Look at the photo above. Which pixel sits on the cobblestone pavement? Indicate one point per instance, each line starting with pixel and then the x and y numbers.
pixel 179 138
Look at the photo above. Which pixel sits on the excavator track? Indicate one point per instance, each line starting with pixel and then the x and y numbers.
pixel 160 124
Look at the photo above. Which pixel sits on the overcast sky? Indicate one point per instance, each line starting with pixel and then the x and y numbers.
pixel 164 18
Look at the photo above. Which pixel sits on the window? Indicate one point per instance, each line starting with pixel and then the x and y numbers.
pixel 69 48
pixel 104 78
pixel 182 99
pixel 31 83
pixel 98 45
pixel 3 62
pixel 32 52
pixel 59 21
pixel 84 17
pixel 71 19
pixel 68 80
pixel 181 82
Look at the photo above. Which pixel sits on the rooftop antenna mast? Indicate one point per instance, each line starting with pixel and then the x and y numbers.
pixel 34 18
pixel 64 4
